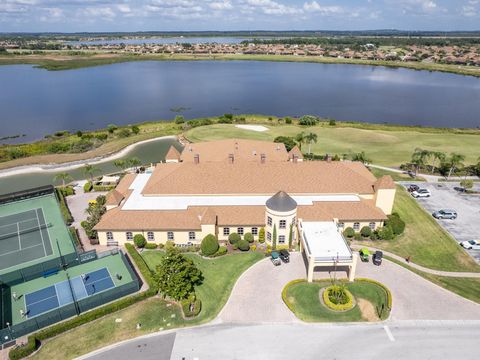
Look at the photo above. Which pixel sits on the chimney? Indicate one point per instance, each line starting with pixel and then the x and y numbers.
pixel 231 158
pixel 263 158
pixel 295 158
pixel 328 158
pixel 196 158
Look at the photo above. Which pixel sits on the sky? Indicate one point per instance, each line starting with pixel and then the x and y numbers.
pixel 194 15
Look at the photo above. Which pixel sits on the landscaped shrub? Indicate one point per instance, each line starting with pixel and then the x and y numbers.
pixel 366 231
pixel 349 232
pixel 357 236
pixel 233 238
pixel 249 237
pixel 139 241
pixel 338 298
pixel 103 187
pixel 193 311
pixel 397 224
pixel 288 120
pixel 74 235
pixel 243 245
pixel 151 246
pixel 67 190
pixel 222 250
pixel 67 215
pixel 88 186
pixel 253 247
pixel 261 235
pixel 209 245
pixel 386 233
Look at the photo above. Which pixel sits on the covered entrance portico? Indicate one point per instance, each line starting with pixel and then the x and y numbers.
pixel 325 247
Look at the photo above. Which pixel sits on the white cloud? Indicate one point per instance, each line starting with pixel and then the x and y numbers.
pixel 220 5
pixel 469 11
pixel 104 12
pixel 271 7
pixel 124 8
pixel 324 10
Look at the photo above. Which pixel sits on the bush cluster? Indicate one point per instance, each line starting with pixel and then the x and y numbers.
pixel 346 296
pixel 249 237
pixel 88 186
pixel 397 224
pixel 234 238
pixel 151 246
pixel 349 232
pixel 209 245
pixel 139 241
pixel 308 120
pixel 243 245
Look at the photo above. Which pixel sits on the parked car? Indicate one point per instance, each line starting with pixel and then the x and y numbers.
pixel 471 245
pixel 421 193
pixel 364 254
pixel 445 214
pixel 275 257
pixel 413 188
pixel 285 255
pixel 377 258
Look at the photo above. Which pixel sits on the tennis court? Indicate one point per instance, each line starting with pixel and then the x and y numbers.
pixel 24 237
pixel 66 292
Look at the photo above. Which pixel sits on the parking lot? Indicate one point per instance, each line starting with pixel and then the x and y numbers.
pixel 444 196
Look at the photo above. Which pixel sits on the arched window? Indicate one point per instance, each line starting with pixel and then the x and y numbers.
pixel 129 235
pixel 150 236
pixel 356 226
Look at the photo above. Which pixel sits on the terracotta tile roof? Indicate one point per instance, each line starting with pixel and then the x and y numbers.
pixel 172 154
pixel 125 183
pixel 344 211
pixel 242 150
pixel 114 197
pixel 385 182
pixel 307 177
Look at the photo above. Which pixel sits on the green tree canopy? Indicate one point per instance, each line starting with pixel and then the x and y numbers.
pixel 288 141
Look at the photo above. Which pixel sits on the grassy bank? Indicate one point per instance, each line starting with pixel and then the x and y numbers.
pixel 465 287
pixel 303 299
pixel 63 61
pixel 154 314
pixel 384 144
pixel 424 240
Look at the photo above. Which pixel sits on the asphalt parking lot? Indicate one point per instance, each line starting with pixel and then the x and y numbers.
pixel 444 196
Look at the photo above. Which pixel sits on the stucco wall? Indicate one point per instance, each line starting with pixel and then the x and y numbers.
pixel 384 199
pixel 276 216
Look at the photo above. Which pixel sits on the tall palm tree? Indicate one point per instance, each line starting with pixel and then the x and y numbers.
pixel 436 155
pixel 120 163
pixel 311 138
pixel 90 170
pixel 300 139
pixel 455 162
pixel 134 162
pixel 361 156
pixel 419 157
pixel 63 177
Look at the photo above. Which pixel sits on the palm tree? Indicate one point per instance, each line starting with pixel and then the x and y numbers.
pixel 361 156
pixel 419 157
pixel 90 170
pixel 436 155
pixel 134 162
pixel 64 177
pixel 312 137
pixel 121 164
pixel 300 139
pixel 455 162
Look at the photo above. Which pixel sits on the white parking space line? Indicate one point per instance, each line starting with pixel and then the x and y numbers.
pixel 389 333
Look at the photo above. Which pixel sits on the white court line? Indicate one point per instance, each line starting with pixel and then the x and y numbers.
pixel 41 234
pixel 50 297
pixel 28 247
pixel 389 333
pixel 18 222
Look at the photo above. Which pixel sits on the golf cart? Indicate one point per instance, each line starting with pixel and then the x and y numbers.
pixel 377 258
pixel 364 254
pixel 275 257
pixel 285 255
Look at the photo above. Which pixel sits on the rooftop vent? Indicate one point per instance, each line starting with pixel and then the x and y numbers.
pixel 263 158
pixel 196 158
pixel 231 158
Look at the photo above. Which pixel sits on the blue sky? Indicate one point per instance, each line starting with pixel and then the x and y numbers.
pixel 142 15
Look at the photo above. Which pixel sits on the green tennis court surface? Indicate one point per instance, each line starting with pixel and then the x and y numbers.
pixel 32 231
pixel 23 237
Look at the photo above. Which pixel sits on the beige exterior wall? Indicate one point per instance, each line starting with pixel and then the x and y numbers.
pixel 351 223
pixel 290 217
pixel 384 199
pixel 234 229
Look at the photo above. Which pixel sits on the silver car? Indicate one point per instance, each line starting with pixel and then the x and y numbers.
pixel 445 214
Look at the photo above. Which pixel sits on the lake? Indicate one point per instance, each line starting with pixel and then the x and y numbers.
pixel 36 102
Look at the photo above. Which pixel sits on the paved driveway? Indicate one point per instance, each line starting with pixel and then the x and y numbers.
pixel 467 225
pixel 257 295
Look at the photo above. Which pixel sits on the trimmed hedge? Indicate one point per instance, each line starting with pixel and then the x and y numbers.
pixel 186 308
pixel 67 215
pixel 366 231
pixel 387 290
pixel 249 237
pixel 151 246
pixel 243 245
pixel 74 233
pixel 284 293
pixel 88 186
pixel 209 245
pixel 34 340
pixel 139 241
pixel 233 238
pixel 103 187
pixel 337 307
pixel 222 250
pixel 349 232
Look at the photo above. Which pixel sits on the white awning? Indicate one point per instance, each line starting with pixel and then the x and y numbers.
pixel 324 242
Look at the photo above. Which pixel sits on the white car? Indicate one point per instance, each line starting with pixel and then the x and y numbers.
pixel 421 193
pixel 470 245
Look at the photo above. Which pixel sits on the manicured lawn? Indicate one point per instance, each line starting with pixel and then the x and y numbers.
pixel 220 276
pixel 395 176
pixel 154 314
pixel 383 146
pixel 424 240
pixel 304 301
pixel 465 287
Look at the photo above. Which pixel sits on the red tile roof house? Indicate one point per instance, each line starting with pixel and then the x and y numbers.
pixel 241 186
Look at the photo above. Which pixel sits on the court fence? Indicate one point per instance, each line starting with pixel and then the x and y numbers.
pixel 54 316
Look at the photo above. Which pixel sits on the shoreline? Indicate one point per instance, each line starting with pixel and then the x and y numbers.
pixel 54 167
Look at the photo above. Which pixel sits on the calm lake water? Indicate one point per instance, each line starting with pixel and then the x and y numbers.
pixel 36 102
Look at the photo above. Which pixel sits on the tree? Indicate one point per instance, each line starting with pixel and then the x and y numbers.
pixel 300 139
pixel 261 235
pixel 179 119
pixel 349 232
pixel 274 241
pixel 419 158
pixel 366 231
pixel 455 162
pixel 63 177
pixel 139 241
pixel 435 156
pixel 249 237
pixel 466 183
pixel 177 275
pixel 289 142
pixel 135 129
pixel 290 237
pixel 90 170
pixel 311 138
pixel 134 162
pixel 111 128
pixel 386 233
pixel 120 163
pixel 361 156
pixel 209 245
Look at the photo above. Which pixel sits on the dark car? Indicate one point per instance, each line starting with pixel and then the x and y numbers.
pixel 377 258
pixel 413 188
pixel 285 255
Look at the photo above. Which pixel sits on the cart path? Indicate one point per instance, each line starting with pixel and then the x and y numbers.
pixel 419 267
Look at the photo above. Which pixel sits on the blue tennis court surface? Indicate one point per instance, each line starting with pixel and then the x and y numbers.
pixel 65 292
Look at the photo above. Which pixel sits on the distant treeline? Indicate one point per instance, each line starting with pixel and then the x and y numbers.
pixel 246 34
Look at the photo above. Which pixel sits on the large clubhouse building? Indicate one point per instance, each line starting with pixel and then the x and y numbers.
pixel 242 186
